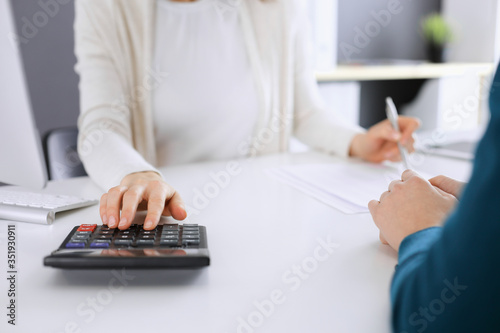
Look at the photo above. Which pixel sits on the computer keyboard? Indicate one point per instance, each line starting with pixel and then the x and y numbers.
pixel 92 246
pixel 37 207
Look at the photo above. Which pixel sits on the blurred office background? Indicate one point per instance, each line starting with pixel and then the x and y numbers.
pixel 49 60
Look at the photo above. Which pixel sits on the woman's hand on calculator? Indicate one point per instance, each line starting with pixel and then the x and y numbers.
pixel 141 191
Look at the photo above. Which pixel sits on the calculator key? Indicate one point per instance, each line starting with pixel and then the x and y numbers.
pixel 124 237
pixel 83 233
pixel 147 232
pixel 126 232
pixel 102 241
pixel 189 232
pixel 170 232
pixel 99 245
pixel 104 237
pixel 169 242
pixel 190 242
pixel 146 237
pixel 87 227
pixel 170 227
pixel 123 241
pixel 78 241
pixel 73 245
pixel 106 232
pixel 190 236
pixel 105 227
pixel 170 237
pixel 143 242
pixel 190 225
pixel 81 237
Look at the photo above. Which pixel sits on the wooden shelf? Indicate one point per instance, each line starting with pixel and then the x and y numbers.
pixel 403 72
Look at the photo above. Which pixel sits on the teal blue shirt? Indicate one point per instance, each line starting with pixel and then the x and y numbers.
pixel 448 279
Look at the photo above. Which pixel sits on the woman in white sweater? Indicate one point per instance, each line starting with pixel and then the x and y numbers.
pixel 170 81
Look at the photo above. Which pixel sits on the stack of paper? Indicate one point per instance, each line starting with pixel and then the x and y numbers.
pixel 348 187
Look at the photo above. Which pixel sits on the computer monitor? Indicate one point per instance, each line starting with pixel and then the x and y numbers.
pixel 21 157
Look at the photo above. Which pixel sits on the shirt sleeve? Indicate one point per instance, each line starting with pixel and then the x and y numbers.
pixel 113 158
pixel 313 125
pixel 447 278
pixel 105 143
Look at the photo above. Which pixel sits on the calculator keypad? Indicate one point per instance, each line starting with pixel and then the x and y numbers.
pixel 164 236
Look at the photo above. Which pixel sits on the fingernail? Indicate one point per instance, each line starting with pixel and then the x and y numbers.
pixel 396 136
pixel 112 222
pixel 148 224
pixel 105 219
pixel 123 221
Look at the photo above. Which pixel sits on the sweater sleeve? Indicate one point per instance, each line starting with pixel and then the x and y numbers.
pixel 313 125
pixel 105 141
pixel 112 159
pixel 447 279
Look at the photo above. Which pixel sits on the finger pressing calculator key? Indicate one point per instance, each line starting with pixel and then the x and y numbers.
pixel 99 247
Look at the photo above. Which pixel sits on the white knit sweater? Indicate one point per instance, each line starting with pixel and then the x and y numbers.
pixel 114 47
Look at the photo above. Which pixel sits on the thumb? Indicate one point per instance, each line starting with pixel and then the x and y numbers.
pixel 448 185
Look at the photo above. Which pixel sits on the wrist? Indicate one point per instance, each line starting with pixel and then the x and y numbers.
pixel 146 175
pixel 355 150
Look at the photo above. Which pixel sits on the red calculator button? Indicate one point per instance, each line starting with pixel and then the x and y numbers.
pixel 87 227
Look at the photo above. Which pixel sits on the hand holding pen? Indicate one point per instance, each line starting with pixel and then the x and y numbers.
pixel 381 142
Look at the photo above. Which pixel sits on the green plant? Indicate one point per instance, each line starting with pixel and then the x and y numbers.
pixel 436 30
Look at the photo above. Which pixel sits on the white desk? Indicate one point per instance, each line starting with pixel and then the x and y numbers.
pixel 257 229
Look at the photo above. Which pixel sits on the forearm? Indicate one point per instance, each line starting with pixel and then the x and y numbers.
pixel 320 132
pixel 415 284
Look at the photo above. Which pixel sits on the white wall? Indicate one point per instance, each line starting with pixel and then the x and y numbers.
pixel 477 27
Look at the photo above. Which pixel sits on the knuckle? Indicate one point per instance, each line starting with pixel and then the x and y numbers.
pixel 393 183
pixel 406 173
pixel 171 193
pixel 128 212
pixel 156 202
pixel 416 181
pixel 112 205
pixel 153 217
pixel 398 185
pixel 133 193
pixel 114 190
pixel 384 195
pixel 156 184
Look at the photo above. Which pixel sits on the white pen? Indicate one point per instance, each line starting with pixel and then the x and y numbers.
pixel 392 115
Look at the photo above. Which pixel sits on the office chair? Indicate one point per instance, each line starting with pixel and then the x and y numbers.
pixel 61 154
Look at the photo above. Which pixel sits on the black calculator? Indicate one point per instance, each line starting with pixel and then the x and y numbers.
pixel 92 246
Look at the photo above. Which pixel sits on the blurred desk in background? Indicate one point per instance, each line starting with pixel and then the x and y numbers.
pixel 403 71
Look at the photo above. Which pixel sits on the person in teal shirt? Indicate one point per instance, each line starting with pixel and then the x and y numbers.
pixel 448 275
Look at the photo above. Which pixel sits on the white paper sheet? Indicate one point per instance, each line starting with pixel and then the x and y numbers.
pixel 346 186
